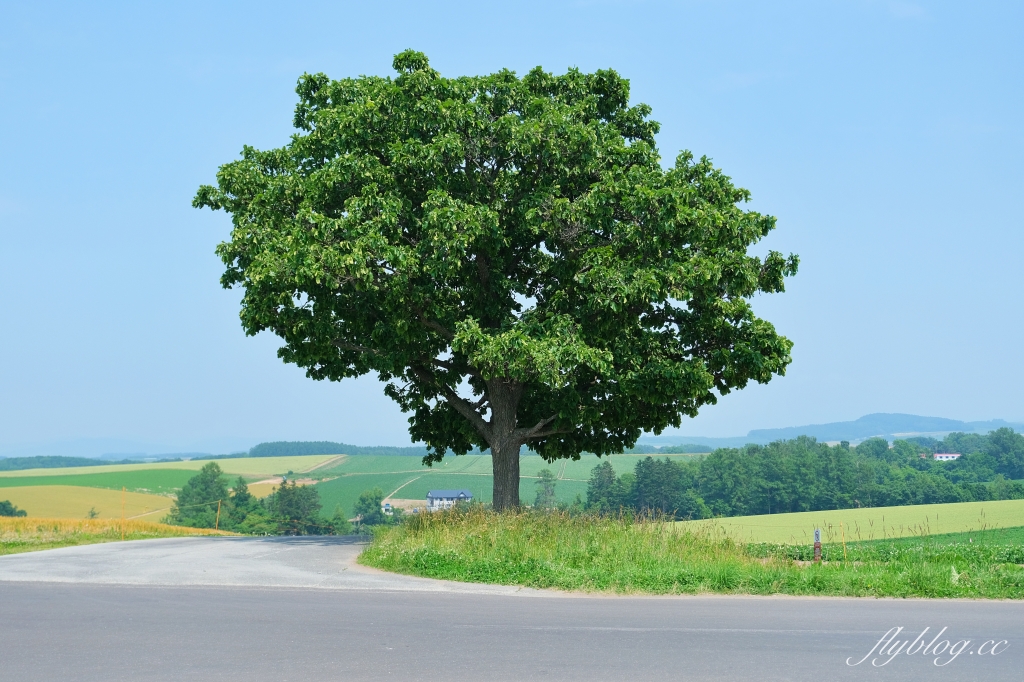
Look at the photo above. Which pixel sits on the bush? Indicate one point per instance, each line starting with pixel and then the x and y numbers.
pixel 8 509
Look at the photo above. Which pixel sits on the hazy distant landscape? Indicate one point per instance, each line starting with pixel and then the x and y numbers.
pixel 788 475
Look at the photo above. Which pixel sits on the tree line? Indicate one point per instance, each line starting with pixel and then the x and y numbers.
pixel 206 501
pixel 805 475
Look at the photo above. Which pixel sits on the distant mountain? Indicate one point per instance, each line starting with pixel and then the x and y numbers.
pixel 880 424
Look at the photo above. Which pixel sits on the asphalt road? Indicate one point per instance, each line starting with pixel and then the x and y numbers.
pixel 294 609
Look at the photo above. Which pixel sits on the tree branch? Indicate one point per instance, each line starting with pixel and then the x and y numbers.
pixel 451 367
pixel 345 345
pixel 459 404
pixel 436 326
pixel 537 430
pixel 549 432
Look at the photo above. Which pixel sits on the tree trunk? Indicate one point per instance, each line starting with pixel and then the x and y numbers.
pixel 505 444
pixel 505 459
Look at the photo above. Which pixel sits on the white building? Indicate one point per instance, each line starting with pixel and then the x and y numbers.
pixel 443 499
pixel 946 456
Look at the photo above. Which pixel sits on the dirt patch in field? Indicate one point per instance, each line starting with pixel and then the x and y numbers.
pixel 407 505
pixel 267 486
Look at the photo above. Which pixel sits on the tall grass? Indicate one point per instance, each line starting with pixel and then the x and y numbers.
pixel 28 534
pixel 625 555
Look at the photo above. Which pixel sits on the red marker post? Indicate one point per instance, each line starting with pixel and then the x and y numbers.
pixel 817 545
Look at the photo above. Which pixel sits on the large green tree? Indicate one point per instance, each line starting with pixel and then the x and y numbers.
pixel 507 254
pixel 200 498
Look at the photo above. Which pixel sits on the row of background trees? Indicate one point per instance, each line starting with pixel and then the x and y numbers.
pixel 805 475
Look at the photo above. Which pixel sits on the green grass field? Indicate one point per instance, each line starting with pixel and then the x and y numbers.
pixel 353 475
pixel 159 481
pixel 875 523
pixel 607 554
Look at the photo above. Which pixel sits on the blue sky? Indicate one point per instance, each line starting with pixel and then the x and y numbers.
pixel 885 136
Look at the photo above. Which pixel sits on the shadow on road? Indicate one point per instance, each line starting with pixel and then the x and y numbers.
pixel 312 540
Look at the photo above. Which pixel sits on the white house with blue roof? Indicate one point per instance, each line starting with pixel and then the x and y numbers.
pixel 444 499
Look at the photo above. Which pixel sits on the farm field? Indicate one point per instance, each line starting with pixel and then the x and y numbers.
pixel 355 474
pixel 71 492
pixel 158 481
pixel 479 464
pixel 875 523
pixel 74 502
pixel 244 466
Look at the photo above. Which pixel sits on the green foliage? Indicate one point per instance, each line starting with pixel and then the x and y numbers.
pixel 8 509
pixel 684 449
pixel 368 507
pixel 241 498
pixel 607 493
pixel 297 508
pixel 804 475
pixel 545 490
pixel 519 236
pixel 340 523
pixel 620 554
pixel 984 457
pixel 197 503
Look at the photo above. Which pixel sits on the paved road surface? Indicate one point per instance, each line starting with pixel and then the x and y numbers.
pixel 298 609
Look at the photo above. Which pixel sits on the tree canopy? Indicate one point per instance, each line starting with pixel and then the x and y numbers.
pixel 507 254
pixel 197 501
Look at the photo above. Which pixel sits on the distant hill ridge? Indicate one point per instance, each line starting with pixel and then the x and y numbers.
pixel 48 462
pixel 293 448
pixel 880 424
pixel 885 425
pixel 890 426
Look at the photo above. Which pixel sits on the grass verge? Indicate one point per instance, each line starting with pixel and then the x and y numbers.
pixel 602 554
pixel 28 534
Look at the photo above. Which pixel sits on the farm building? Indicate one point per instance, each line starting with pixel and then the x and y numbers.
pixel 443 499
pixel 946 456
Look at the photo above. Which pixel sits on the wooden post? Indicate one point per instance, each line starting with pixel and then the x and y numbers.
pixel 844 539
pixel 817 545
pixel 122 512
pixel 217 525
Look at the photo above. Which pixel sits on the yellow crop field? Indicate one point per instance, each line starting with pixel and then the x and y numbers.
pixel 74 502
pixel 256 466
pixel 28 534
pixel 874 523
